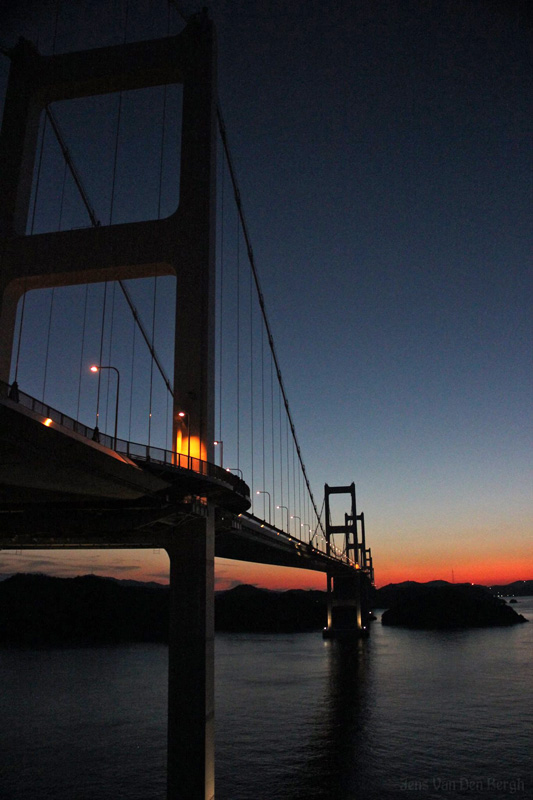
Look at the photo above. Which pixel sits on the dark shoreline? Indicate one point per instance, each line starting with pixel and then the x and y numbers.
pixel 39 610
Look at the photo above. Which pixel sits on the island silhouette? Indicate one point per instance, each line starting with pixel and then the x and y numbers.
pixel 40 610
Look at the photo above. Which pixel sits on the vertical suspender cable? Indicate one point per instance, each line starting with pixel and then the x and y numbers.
pixel 152 363
pixel 288 474
pixel 96 223
pixel 263 474
pixel 252 384
pixel 131 378
pixel 222 129
pixel 280 454
pixel 221 303
pixel 161 159
pixel 110 351
pixel 101 353
pixel 52 296
pixel 82 347
pixel 238 345
pixel 32 226
pixel 273 437
pixel 111 209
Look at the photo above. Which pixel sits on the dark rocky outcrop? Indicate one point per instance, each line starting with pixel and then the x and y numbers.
pixel 429 606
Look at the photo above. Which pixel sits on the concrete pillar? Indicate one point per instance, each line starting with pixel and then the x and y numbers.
pixel 191 684
pixel 346 615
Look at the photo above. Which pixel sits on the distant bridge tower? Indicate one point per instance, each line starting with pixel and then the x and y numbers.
pixel 182 245
pixel 348 600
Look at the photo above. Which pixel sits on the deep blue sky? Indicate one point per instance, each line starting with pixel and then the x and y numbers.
pixel 384 153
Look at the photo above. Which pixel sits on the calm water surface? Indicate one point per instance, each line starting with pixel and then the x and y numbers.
pixel 403 714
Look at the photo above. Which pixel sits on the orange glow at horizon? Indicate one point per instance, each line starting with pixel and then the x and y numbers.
pixel 148 565
pixel 488 572
pixel 229 573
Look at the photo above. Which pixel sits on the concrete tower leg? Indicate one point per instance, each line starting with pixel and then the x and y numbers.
pixel 191 690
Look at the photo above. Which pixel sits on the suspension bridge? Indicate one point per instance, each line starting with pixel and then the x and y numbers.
pixel 100 447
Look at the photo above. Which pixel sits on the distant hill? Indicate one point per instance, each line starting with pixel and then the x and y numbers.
pixel 246 608
pixel 393 593
pixel 40 610
pixel 516 589
pixel 434 607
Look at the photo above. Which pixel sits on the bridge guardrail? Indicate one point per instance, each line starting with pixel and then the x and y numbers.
pixel 132 450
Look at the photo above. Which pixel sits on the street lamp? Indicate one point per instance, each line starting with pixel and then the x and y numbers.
pixel 221 444
pixel 263 491
pixel 235 469
pixel 293 516
pixel 287 510
pixel 182 415
pixel 97 368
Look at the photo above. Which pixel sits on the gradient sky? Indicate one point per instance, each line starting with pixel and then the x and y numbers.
pixel 384 153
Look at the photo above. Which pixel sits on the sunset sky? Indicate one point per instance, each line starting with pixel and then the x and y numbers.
pixel 384 154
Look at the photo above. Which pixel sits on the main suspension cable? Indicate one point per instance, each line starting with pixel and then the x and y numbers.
pixel 251 259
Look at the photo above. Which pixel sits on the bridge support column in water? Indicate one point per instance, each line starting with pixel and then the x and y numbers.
pixel 348 595
pixel 191 687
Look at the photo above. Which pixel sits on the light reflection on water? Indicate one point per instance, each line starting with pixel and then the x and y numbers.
pixel 404 713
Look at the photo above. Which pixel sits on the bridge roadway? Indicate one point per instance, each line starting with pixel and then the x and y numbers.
pixel 61 489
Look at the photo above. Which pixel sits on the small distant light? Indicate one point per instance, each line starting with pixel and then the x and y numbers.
pixel 94 368
pixel 47 422
pixel 182 414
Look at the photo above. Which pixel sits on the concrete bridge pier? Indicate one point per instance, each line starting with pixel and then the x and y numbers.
pixel 347 608
pixel 191 690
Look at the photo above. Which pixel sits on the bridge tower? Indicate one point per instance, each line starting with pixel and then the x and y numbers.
pixel 182 244
pixel 348 596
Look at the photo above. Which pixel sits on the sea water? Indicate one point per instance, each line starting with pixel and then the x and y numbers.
pixel 413 714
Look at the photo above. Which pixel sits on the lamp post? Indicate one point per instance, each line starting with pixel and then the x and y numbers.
pixel 304 526
pixel 263 491
pixel 293 516
pixel 235 469
pixel 182 415
pixel 97 368
pixel 287 510
pixel 221 445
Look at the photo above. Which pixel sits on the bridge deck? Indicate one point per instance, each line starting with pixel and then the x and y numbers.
pixel 61 489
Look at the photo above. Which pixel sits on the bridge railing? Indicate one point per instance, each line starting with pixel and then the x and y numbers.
pixel 132 450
